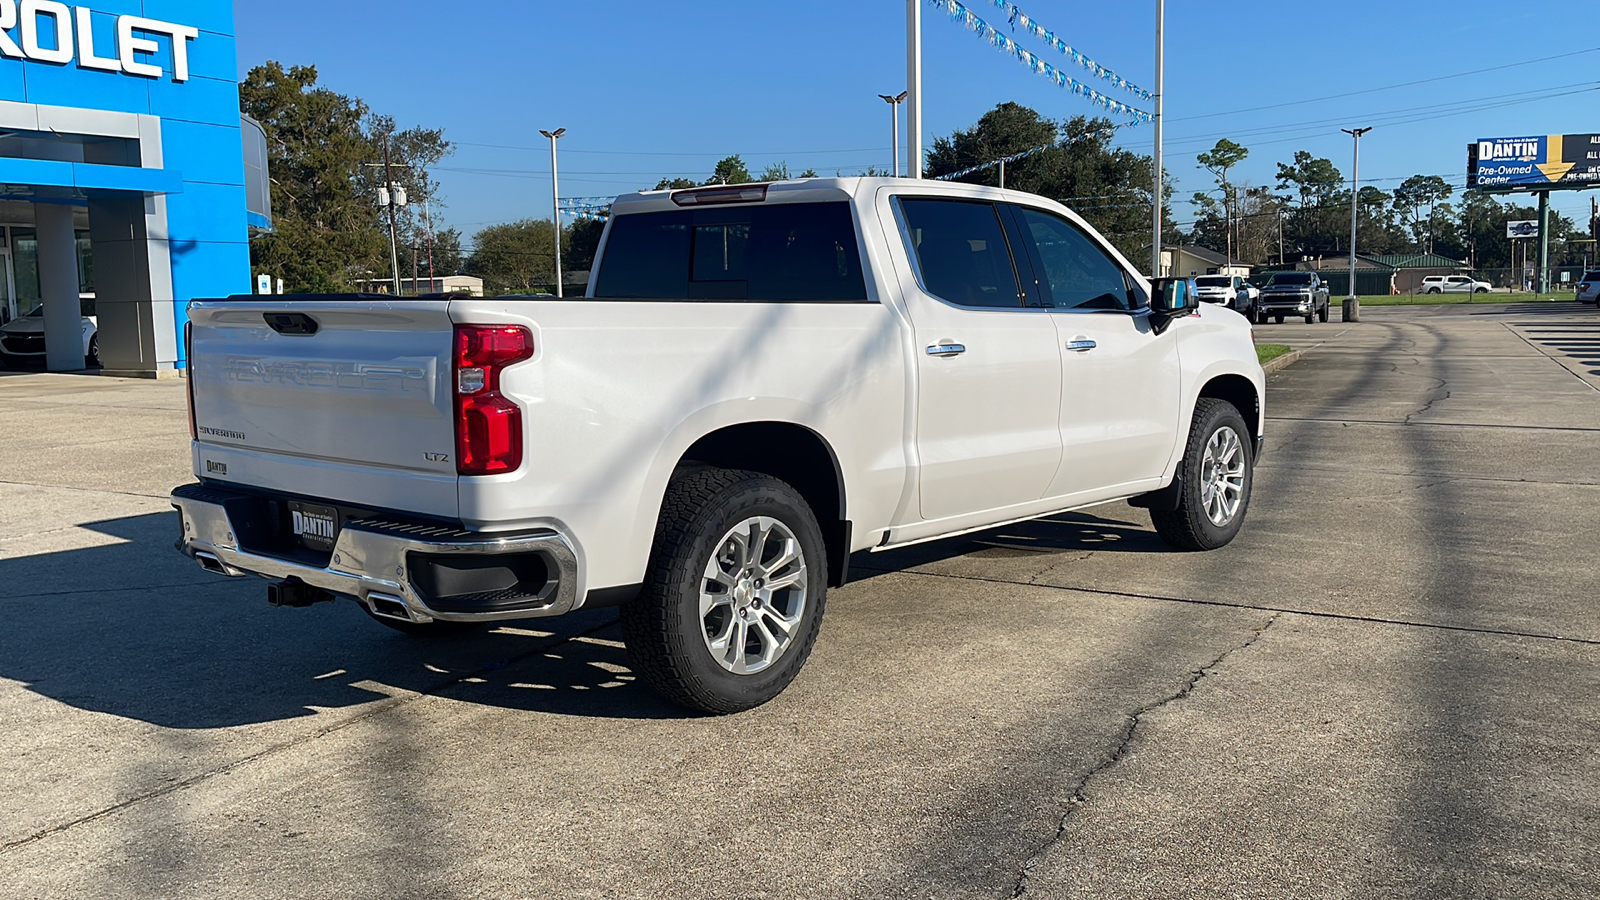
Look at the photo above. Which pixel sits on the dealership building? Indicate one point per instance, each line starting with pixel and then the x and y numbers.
pixel 124 186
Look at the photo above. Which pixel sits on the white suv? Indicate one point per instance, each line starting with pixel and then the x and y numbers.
pixel 1454 284
pixel 1589 288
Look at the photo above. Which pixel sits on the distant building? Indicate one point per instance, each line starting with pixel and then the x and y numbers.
pixel 1186 262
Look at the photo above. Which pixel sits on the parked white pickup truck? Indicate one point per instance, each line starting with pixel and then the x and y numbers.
pixel 761 380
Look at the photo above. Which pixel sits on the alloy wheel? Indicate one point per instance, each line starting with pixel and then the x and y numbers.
pixel 1222 476
pixel 753 595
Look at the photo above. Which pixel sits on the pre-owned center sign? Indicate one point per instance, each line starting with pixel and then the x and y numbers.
pixel 48 31
pixel 1537 163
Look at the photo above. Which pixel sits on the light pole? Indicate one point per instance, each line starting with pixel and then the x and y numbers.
pixel 555 200
pixel 894 133
pixel 1352 306
pixel 1158 184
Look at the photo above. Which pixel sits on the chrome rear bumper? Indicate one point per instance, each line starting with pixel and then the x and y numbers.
pixel 371 561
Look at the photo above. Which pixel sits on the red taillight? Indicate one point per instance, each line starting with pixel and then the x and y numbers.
pixel 188 375
pixel 488 424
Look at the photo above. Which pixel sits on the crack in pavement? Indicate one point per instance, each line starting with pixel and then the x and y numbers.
pixel 1123 743
pixel 380 707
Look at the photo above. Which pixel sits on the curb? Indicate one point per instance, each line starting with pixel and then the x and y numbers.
pixel 1282 362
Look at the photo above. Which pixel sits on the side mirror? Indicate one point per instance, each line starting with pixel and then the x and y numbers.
pixel 1173 296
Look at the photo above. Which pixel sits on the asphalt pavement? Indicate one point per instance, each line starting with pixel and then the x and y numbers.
pixel 1388 686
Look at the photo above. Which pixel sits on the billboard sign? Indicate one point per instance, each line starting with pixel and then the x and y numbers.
pixel 1528 228
pixel 1535 163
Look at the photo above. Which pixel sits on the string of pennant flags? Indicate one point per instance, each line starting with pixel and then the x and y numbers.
pixel 597 208
pixel 993 36
pixel 1027 153
pixel 1016 16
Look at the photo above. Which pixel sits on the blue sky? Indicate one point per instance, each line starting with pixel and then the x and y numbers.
pixel 648 89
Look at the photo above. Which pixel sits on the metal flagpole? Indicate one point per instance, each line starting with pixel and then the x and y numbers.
pixel 1158 184
pixel 914 86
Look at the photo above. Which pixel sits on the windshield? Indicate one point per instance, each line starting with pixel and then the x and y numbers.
pixel 1290 278
pixel 1214 281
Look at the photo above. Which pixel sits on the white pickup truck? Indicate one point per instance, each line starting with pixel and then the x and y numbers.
pixel 761 380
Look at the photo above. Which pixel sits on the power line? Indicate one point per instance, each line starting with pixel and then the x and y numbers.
pixel 1389 87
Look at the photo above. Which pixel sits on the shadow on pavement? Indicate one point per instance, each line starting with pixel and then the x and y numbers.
pixel 131 628
pixel 1063 533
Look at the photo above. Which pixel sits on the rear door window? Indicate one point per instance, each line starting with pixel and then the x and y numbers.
pixel 961 252
pixel 780 252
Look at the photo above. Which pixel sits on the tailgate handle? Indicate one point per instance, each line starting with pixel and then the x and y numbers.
pixel 291 323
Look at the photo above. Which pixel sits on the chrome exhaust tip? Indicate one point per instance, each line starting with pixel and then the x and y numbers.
pixel 386 606
pixel 211 563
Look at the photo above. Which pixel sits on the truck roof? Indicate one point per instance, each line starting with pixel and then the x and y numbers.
pixel 802 190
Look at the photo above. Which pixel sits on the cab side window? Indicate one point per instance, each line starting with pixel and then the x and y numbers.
pixel 960 248
pixel 1077 273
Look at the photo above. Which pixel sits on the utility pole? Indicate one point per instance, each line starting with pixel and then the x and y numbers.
pixel 894 102
pixel 1542 280
pixel 555 201
pixel 1002 174
pixel 1158 175
pixel 392 198
pixel 914 86
pixel 1352 305
pixel 427 216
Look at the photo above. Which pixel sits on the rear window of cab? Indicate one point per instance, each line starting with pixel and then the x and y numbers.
pixel 785 252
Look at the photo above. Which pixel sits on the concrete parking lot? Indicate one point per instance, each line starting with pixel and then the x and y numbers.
pixel 1388 686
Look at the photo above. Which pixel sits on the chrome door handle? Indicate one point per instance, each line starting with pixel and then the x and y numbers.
pixel 1081 346
pixel 946 350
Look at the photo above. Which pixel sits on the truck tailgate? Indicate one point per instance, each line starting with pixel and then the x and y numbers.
pixel 343 400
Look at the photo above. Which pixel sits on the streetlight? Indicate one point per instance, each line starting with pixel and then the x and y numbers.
pixel 1352 306
pixel 894 112
pixel 555 201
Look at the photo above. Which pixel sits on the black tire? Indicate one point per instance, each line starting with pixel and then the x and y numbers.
pixel 663 627
pixel 435 629
pixel 1278 319
pixel 1325 312
pixel 92 359
pixel 1480 290
pixel 1189 527
pixel 1433 290
pixel 1311 318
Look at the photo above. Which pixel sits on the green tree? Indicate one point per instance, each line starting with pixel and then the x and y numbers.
pixel 775 172
pixel 325 156
pixel 1218 160
pixel 676 184
pixel 579 243
pixel 1313 225
pixel 731 170
pixel 1109 186
pixel 326 233
pixel 1418 198
pixel 514 257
